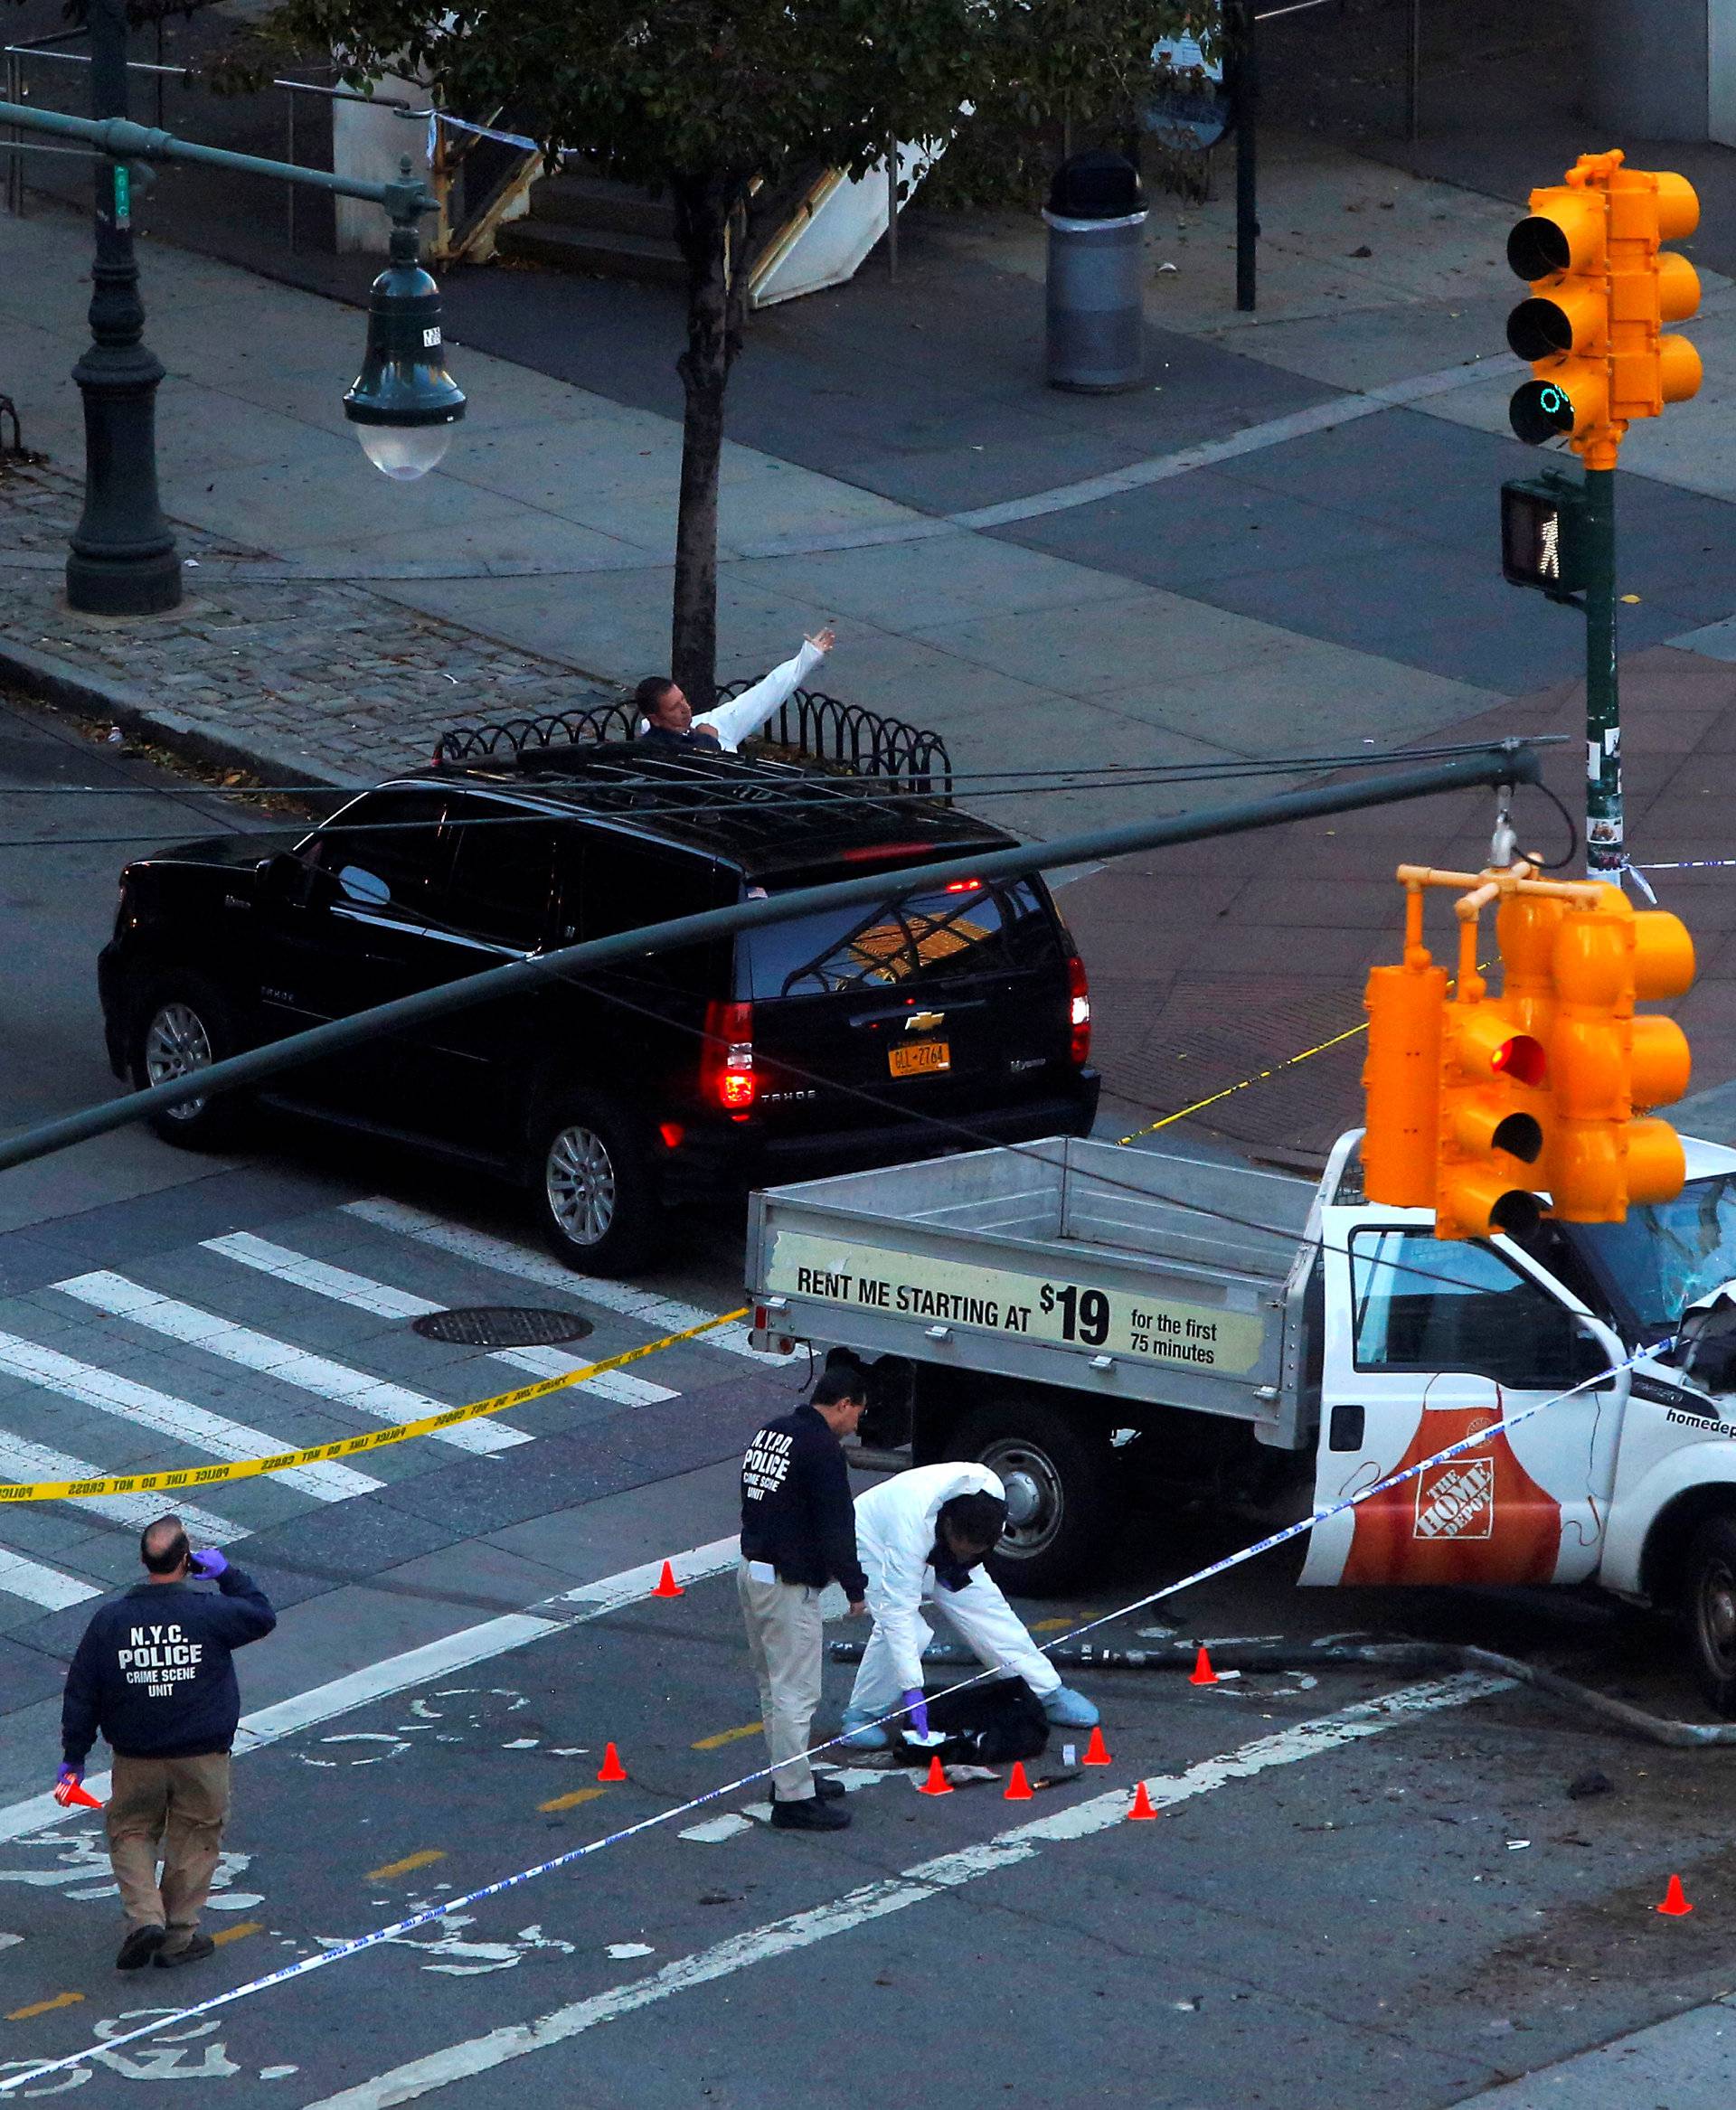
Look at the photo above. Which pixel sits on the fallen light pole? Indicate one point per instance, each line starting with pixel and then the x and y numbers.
pixel 1502 763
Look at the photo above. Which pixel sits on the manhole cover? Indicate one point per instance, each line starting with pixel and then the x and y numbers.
pixel 502 1326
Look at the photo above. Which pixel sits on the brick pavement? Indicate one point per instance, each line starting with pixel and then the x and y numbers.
pixel 304 682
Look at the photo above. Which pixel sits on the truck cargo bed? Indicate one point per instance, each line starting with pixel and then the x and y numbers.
pixel 1143 1276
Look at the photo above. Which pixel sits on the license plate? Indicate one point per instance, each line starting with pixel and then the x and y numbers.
pixel 921 1057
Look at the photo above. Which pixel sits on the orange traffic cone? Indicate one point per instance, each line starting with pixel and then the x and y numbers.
pixel 936 1783
pixel 1142 1809
pixel 1675 1903
pixel 1096 1752
pixel 1018 1789
pixel 72 1795
pixel 1202 1673
pixel 667 1587
pixel 612 1768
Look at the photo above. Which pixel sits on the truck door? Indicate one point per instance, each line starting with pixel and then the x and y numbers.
pixel 1428 1341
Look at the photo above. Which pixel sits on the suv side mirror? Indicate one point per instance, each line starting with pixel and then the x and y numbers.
pixel 276 878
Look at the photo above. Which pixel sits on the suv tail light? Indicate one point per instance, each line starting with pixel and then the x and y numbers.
pixel 727 1067
pixel 1079 1012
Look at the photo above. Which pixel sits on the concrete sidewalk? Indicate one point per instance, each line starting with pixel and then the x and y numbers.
pixel 1257 554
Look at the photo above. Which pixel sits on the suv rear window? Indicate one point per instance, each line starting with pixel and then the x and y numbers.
pixel 919 940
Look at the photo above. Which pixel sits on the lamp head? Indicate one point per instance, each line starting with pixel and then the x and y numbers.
pixel 404 403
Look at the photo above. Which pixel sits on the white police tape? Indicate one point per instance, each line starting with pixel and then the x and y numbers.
pixel 577 1853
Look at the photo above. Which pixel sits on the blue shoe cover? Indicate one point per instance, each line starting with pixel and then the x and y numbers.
pixel 1067 1710
pixel 858 1736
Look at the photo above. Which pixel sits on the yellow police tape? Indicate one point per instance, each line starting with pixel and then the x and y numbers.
pixel 349 1447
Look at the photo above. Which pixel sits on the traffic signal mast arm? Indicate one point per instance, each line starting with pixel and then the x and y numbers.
pixel 1479 1106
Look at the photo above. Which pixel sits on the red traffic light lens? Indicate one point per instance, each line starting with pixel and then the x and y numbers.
pixel 1522 1059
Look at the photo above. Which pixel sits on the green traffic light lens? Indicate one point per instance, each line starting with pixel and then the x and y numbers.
pixel 1540 410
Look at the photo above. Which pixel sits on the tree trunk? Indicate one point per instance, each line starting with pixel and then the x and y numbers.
pixel 710 228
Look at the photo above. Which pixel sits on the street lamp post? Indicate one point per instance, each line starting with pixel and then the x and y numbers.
pixel 123 559
pixel 403 403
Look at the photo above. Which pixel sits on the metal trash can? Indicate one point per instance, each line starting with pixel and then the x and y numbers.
pixel 1096 218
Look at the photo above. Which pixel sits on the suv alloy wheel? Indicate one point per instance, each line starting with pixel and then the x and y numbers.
pixel 593 1186
pixel 184 1026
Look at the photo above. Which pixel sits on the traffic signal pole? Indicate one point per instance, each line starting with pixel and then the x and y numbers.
pixel 1606 852
pixel 1601 288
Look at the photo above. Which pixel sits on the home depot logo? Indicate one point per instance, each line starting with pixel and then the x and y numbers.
pixel 1457 1500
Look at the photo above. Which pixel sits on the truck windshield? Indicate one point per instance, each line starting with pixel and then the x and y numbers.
pixel 1667 1254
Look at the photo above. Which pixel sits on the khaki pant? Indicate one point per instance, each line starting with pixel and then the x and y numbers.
pixel 181 1806
pixel 784 1639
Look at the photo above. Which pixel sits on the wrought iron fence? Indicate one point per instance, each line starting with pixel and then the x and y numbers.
pixel 837 735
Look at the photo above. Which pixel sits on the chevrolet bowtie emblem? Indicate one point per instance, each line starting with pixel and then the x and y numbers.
pixel 923 1021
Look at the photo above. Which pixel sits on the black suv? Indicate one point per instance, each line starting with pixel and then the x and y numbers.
pixel 853 1037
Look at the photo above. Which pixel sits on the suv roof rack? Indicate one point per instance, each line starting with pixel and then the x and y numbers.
pixel 837 736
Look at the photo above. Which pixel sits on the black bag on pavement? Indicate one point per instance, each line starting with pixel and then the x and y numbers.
pixel 990 1724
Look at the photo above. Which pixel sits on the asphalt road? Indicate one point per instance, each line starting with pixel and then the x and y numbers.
pixel 1360 1888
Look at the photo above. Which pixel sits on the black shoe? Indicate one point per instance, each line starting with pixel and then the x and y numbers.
pixel 826 1788
pixel 141 1944
pixel 194 1952
pixel 809 1815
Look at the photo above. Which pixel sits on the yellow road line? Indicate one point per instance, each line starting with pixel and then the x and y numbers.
pixel 1050 1626
pixel 238 1934
pixel 1260 1077
pixel 402 1868
pixel 43 2006
pixel 350 1446
pixel 572 1802
pixel 716 1743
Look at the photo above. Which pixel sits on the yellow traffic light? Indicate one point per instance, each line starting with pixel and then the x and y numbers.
pixel 1564 328
pixel 1601 289
pixel 1401 1072
pixel 1649 287
pixel 1491 1137
pixel 1603 1158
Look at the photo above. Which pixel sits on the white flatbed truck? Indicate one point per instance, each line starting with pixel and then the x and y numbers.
pixel 1090 1320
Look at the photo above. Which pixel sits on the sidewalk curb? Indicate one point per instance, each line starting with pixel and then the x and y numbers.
pixel 53 680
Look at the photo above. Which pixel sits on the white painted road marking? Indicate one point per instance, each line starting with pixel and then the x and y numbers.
pixel 179 1419
pixel 666 1315
pixel 418 1666
pixel 914 1886
pixel 318 1374
pixel 21 1462
pixel 41 1585
pixel 362 1293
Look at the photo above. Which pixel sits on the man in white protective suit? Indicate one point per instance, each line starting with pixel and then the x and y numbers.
pixel 921 1538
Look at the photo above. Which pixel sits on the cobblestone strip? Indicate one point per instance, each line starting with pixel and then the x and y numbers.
pixel 309 681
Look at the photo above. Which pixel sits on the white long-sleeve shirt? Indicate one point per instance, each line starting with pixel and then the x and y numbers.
pixel 743 715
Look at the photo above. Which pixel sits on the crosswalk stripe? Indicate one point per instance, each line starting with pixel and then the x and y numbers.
pixel 131 1300
pixel 178 1419
pixel 667 1315
pixel 21 1462
pixel 364 1293
pixel 46 1587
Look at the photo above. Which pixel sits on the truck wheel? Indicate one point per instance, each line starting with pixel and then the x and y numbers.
pixel 593 1186
pixel 1709 1599
pixel 1056 1486
pixel 183 1025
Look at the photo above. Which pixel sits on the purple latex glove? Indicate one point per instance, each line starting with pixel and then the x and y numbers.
pixel 209 1564
pixel 74 1774
pixel 917 1719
